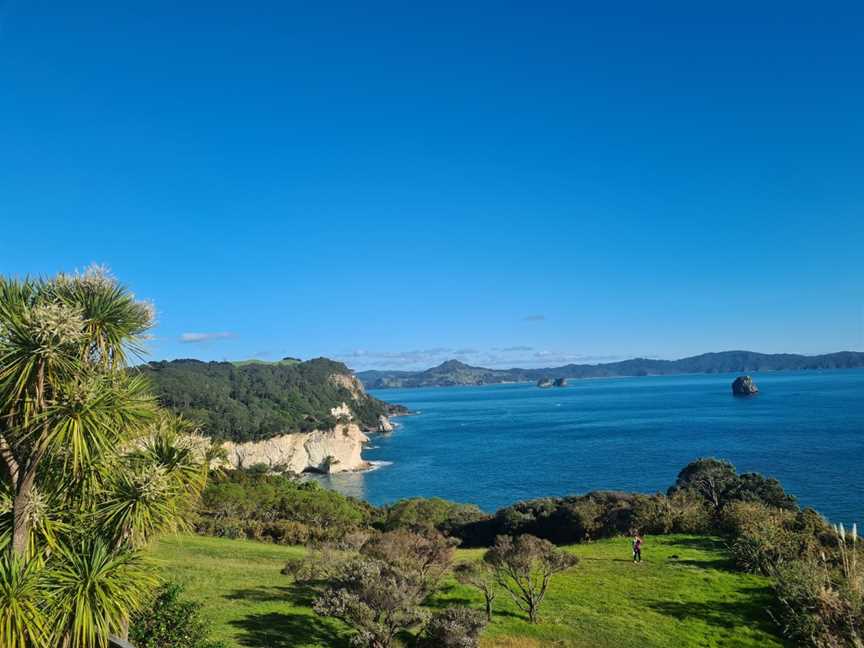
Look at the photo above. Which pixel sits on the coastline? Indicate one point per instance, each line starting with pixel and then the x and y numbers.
pixel 647 375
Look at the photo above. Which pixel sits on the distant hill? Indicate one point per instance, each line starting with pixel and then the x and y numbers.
pixel 454 372
pixel 251 401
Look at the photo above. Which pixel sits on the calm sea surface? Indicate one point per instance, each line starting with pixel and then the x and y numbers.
pixel 496 445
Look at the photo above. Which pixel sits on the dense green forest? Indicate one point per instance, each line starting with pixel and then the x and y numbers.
pixel 254 401
pixel 454 372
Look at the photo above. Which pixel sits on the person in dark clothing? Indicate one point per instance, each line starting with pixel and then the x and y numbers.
pixel 637 548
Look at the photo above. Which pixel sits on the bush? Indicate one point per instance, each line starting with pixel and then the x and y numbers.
pixel 524 566
pixel 453 627
pixel 762 538
pixel 168 621
pixel 818 608
pixel 717 483
pixel 433 513
pixel 277 508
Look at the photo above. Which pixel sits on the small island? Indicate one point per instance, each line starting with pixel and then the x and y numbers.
pixel 744 386
pixel 543 383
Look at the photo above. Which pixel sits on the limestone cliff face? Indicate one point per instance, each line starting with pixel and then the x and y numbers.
pixel 326 451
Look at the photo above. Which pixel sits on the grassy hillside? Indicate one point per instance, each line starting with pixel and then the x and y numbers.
pixel 683 594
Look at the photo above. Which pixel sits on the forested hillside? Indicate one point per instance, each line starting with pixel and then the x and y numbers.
pixel 250 402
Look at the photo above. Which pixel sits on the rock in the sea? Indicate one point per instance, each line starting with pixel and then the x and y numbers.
pixel 560 382
pixel 544 382
pixel 384 424
pixel 744 386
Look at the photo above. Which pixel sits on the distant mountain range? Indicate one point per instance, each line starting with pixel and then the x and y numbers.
pixel 453 372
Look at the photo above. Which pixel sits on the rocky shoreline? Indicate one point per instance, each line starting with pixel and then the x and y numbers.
pixel 336 450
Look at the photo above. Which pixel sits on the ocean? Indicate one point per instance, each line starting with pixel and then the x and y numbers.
pixel 495 445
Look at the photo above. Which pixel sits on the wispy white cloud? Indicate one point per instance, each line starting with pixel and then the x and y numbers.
pixel 534 318
pixel 192 338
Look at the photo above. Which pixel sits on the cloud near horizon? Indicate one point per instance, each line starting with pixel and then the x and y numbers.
pixel 535 318
pixel 192 338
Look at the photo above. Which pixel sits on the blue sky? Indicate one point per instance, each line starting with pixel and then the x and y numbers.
pixel 393 185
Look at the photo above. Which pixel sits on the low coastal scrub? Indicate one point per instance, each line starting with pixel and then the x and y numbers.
pixel 817 602
pixel 278 508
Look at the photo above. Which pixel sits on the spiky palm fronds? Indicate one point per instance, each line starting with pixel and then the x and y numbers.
pixel 92 417
pixel 93 590
pixel 114 320
pixel 23 619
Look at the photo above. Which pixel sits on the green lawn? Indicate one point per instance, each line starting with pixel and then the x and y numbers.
pixel 683 594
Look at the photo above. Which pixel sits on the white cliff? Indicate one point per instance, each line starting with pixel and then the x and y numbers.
pixel 328 451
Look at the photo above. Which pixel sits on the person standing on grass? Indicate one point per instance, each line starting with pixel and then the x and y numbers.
pixel 637 548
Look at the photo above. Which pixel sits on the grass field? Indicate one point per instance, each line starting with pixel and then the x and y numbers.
pixel 683 594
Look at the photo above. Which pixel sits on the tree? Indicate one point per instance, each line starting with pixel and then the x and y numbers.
pixel 710 478
pixel 90 468
pixel 524 566
pixel 480 576
pixel 379 593
pixel 717 482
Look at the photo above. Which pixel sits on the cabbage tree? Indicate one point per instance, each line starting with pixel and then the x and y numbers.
pixel 91 468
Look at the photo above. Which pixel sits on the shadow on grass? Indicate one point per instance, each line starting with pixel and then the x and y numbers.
pixel 286 630
pixel 704 543
pixel 297 594
pixel 724 614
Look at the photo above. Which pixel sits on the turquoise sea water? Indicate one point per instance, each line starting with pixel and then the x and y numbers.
pixel 499 444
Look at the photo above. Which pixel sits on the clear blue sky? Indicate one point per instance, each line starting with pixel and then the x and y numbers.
pixel 394 185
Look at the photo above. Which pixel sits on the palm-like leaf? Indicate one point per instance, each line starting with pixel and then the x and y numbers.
pixel 114 319
pixel 23 622
pixel 94 590
pixel 142 502
pixel 92 418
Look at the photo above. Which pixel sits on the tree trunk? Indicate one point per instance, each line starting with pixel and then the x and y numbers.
pixel 488 609
pixel 123 630
pixel 21 531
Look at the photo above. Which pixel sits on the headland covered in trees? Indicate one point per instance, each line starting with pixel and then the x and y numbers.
pixel 454 372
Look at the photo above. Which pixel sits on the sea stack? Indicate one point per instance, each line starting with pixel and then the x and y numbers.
pixel 560 382
pixel 544 383
pixel 744 386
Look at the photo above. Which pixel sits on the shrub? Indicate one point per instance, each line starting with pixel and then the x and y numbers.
pixel 287 532
pixel 168 621
pixel 524 567
pixel 690 514
pixel 379 592
pixel 762 538
pixel 480 576
pixel 717 483
pixel 654 515
pixel 453 627
pixel 427 514
pixel 818 608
